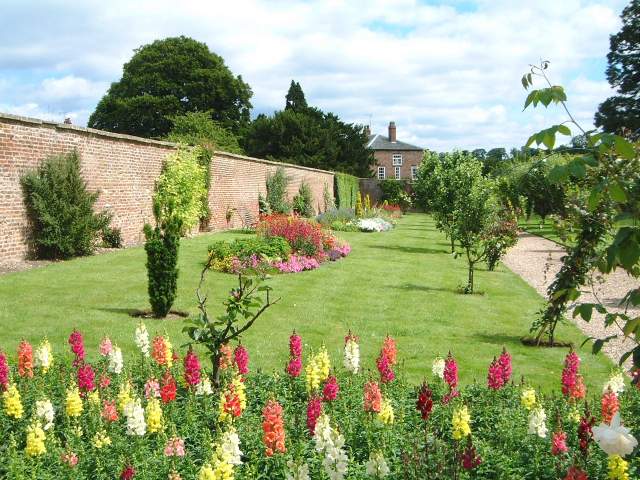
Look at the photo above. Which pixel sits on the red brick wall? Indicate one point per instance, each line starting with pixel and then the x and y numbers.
pixel 384 158
pixel 124 168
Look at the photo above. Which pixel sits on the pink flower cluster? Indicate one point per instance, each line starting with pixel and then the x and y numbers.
pixel 450 375
pixel 294 366
pixel 238 265
pixel 297 263
pixel 4 372
pixel 241 359
pixel 572 383
pixel 386 360
pixel 77 347
pixel 86 377
pixel 174 447
pixel 314 409
pixel 499 371
pixel 191 368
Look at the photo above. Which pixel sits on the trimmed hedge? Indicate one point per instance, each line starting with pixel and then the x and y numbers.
pixel 347 190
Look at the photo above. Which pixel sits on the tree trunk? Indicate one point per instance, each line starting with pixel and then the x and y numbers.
pixel 453 245
pixel 470 281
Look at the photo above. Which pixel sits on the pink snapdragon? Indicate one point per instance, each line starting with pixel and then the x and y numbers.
pixel 384 367
pixel 174 447
pixel 505 364
pixel 495 377
pixel 294 367
pixel 86 377
pixel 559 443
pixel 330 389
pixel 314 409
pixel 451 371
pixel 241 359
pixel 152 388
pixel 191 368
pixel 4 372
pixel 106 347
pixel 77 347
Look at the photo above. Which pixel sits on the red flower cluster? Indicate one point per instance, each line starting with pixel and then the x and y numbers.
pixel 390 350
pixel 109 411
pixel 425 401
pixel 495 379
pixel 231 403
pixel 294 368
pixel 4 372
pixel 104 381
pixel 314 409
pixel 303 236
pixel 330 389
pixel 86 378
pixel 391 208
pixel 77 347
pixel 191 368
pixel 169 388
pixel 572 383
pixel 25 359
pixel 241 359
pixel 575 473
pixel 451 372
pixel 470 458
pixel 225 357
pixel 559 443
pixel 609 405
pixel 585 432
pixel 273 428
pixel 505 363
pixel 128 473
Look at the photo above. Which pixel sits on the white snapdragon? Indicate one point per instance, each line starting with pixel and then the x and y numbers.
pixel 377 466
pixel 537 422
pixel 614 439
pixel 615 383
pixel 297 471
pixel 352 356
pixel 437 368
pixel 329 442
pixel 230 447
pixel 204 387
pixel 45 412
pixel 134 414
pixel 142 339
pixel 43 356
pixel 115 360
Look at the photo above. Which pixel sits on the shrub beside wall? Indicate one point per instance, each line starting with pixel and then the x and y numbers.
pixel 347 190
pixel 60 209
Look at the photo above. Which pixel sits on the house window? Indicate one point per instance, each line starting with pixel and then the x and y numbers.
pixel 397 159
pixel 414 172
pixel 397 172
pixel 382 173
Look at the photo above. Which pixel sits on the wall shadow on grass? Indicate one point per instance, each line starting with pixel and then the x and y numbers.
pixel 121 311
pixel 421 288
pixel 499 339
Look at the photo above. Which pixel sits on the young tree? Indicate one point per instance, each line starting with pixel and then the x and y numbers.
pixel 172 77
pixel 473 214
pixel 161 246
pixel 622 111
pixel 295 98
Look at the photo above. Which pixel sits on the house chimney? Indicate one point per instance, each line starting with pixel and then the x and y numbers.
pixel 392 132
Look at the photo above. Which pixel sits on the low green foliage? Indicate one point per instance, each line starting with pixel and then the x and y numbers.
pixel 347 190
pixel 270 247
pixel 61 209
pixel 394 193
pixel 111 237
pixel 181 188
pixel 198 128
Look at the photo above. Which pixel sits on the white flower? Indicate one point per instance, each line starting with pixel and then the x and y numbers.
pixel 352 356
pixel 142 339
pixel 297 472
pixel 45 411
pixel 374 225
pixel 615 383
pixel 537 425
pixel 134 413
pixel 204 387
pixel 115 360
pixel 230 447
pixel 614 439
pixel 330 442
pixel 437 368
pixel 377 466
pixel 43 357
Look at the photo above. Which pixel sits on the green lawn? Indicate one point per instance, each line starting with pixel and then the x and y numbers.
pixel 401 282
pixel 536 226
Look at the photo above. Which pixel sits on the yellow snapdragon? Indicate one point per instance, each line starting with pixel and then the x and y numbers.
pixel 73 402
pixel 153 414
pixel 35 441
pixel 12 404
pixel 460 423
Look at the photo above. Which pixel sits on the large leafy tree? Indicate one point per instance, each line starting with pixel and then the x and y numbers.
pixel 172 77
pixel 307 136
pixel 622 111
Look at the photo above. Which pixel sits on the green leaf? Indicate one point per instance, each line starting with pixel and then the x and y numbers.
pixel 631 326
pixel 564 130
pixel 577 168
pixel 598 344
pixel 585 311
pixel 530 98
pixel 549 138
pixel 624 148
pixel 525 83
pixel 594 199
pixel 558 174
pixel 617 192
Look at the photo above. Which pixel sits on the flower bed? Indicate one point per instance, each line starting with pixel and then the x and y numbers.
pixel 375 224
pixel 157 416
pixel 288 244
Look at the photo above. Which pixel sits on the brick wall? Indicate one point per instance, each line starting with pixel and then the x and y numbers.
pixel 384 158
pixel 124 168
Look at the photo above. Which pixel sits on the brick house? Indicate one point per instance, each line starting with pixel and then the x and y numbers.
pixel 393 158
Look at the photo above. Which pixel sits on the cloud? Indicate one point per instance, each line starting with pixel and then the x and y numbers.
pixel 448 74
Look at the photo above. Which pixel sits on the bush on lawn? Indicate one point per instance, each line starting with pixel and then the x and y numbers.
pixel 111 237
pixel 61 209
pixel 158 414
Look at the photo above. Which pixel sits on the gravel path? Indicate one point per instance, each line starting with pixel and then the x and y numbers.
pixel 537 260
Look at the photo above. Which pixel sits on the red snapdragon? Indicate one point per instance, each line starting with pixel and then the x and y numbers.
pixel 314 409
pixel 495 377
pixel 559 443
pixel 425 401
pixel 86 378
pixel 241 359
pixel 77 347
pixel 168 388
pixel 330 389
pixel 191 368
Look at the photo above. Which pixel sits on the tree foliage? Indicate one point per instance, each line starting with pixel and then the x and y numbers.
pixel 61 209
pixel 622 111
pixel 302 203
pixel 197 128
pixel 347 190
pixel 277 183
pixel 308 136
pixel 171 77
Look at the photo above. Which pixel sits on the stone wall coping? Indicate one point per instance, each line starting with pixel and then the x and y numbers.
pixel 132 138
